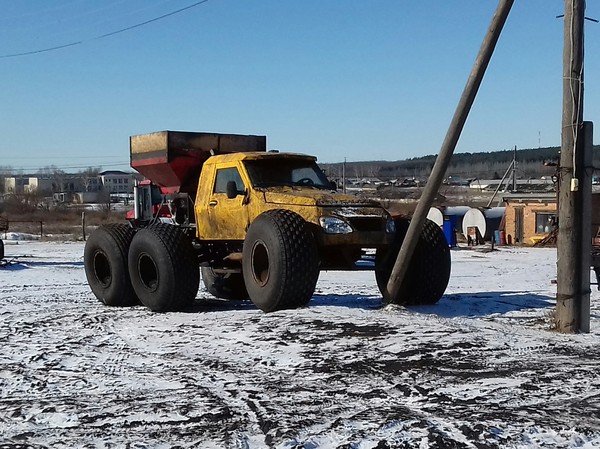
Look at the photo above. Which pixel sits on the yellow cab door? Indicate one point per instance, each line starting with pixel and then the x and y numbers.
pixel 225 214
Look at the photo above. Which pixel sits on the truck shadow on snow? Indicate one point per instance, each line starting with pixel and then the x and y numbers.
pixel 450 306
pixel 486 303
pixel 17 265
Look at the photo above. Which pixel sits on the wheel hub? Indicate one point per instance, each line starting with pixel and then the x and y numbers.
pixel 102 269
pixel 260 263
pixel 148 272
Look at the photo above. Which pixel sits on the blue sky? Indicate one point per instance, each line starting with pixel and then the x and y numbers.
pixel 361 80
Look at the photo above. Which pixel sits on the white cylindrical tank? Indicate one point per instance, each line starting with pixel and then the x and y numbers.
pixel 458 212
pixel 474 217
pixel 436 215
pixel 487 220
pixel 493 218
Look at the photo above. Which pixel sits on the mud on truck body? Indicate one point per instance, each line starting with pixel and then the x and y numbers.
pixel 257 225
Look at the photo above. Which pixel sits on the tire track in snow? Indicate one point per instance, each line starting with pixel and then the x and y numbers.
pixel 341 373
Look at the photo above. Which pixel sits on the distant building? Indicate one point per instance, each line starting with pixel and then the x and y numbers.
pixel 529 184
pixel 529 217
pixel 116 181
pixel 30 184
pixel 66 187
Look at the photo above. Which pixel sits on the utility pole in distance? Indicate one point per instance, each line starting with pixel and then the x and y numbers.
pixel 574 200
pixel 514 170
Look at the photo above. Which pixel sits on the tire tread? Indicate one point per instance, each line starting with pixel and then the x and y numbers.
pixel 114 240
pixel 184 269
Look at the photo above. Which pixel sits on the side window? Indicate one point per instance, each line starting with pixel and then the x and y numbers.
pixel 224 175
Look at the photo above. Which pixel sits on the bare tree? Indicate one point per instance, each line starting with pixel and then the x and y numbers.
pixel 105 201
pixel 57 176
pixel 5 171
pixel 88 175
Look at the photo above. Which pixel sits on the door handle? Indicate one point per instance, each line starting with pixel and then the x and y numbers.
pixel 213 203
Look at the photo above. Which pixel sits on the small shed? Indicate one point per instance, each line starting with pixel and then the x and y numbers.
pixel 529 217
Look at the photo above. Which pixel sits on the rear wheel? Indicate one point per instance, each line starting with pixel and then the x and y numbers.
pixel 105 261
pixel 428 272
pixel 163 267
pixel 224 285
pixel 280 261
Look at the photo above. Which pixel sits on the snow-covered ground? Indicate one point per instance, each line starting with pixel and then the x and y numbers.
pixel 481 369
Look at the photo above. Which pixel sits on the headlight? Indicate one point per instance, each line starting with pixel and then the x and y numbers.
pixel 390 226
pixel 334 225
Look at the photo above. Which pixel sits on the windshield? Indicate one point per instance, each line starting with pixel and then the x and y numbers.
pixel 286 172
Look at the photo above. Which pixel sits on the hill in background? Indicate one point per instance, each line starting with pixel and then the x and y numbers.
pixel 484 165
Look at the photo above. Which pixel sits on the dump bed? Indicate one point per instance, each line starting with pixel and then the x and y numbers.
pixel 173 159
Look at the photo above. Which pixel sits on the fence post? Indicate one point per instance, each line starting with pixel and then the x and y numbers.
pixel 83 224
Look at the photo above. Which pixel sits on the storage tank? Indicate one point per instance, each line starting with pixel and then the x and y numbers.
pixel 437 214
pixel 487 220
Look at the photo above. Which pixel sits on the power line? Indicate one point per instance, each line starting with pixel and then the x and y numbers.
pixel 44 50
pixel 54 156
pixel 31 168
pixel 33 52
pixel 151 20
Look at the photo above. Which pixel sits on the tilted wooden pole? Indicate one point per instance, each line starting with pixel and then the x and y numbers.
pixel 393 290
pixel 574 205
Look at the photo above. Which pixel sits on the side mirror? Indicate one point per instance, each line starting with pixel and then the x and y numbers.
pixel 231 189
pixel 333 185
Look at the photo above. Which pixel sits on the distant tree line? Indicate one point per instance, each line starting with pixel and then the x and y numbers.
pixel 531 163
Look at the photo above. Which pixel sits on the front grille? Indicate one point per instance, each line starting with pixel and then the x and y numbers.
pixel 367 224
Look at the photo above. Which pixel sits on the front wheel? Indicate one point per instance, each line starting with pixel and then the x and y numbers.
pixel 428 272
pixel 280 261
pixel 163 267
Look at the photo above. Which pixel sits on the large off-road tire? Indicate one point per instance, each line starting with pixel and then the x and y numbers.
pixel 280 261
pixel 163 267
pixel 428 272
pixel 105 261
pixel 225 286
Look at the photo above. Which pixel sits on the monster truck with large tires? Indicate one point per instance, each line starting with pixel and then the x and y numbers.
pixel 258 225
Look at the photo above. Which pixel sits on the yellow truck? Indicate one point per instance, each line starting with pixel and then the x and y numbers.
pixel 256 224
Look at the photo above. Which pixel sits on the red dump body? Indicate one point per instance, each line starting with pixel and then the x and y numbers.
pixel 173 159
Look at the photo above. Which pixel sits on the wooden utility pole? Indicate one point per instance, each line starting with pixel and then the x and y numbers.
pixel 393 291
pixel 514 170
pixel 344 176
pixel 574 196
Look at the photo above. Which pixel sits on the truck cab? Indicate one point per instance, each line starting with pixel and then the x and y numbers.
pixel 235 189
